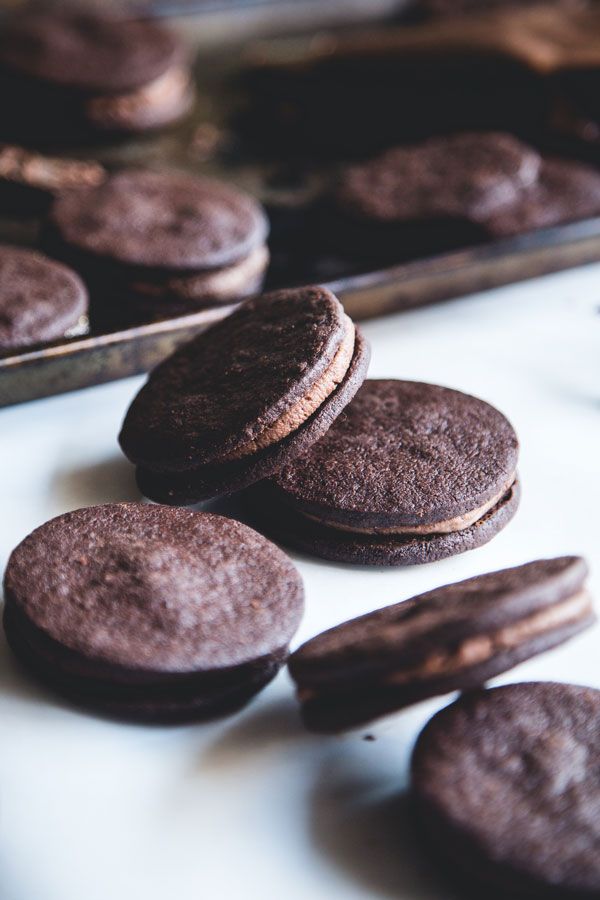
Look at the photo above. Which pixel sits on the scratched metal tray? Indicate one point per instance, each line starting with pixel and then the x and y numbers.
pixel 97 358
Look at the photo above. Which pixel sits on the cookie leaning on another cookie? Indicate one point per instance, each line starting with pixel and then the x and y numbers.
pixel 455 637
pixel 245 397
pixel 409 473
pixel 146 612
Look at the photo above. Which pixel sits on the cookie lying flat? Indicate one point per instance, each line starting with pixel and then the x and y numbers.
pixel 243 398
pixel 452 638
pixel 506 786
pixel 409 473
pixel 150 612
pixel 431 196
pixel 74 71
pixel 565 192
pixel 40 299
pixel 163 242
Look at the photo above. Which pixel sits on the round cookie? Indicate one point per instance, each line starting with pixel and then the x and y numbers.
pixel 73 69
pixel 163 242
pixel 506 787
pixel 151 612
pixel 565 192
pixel 243 398
pixel 409 473
pixel 146 219
pixel 433 195
pixel 455 637
pixel 87 51
pixel 40 300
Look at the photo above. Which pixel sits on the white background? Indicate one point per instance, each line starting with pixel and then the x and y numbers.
pixel 253 806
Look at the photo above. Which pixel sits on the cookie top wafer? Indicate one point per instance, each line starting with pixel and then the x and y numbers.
pixel 506 784
pixel 86 51
pixel 160 220
pixel 149 590
pixel 458 176
pixel 40 299
pixel 246 385
pixel 405 456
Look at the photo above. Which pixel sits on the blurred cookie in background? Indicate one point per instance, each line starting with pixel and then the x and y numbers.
pixel 67 72
pixel 154 245
pixel 429 197
pixel 40 300
pixel 29 182
pixel 453 192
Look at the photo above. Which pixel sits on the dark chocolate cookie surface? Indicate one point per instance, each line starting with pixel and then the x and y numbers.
pixel 86 51
pixel 507 786
pixel 132 605
pixel 459 176
pixel 404 453
pixel 565 191
pixel 161 220
pixel 258 373
pixel 40 299
pixel 452 638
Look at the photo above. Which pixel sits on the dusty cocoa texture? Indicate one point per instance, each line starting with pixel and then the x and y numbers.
pixel 40 299
pixel 507 785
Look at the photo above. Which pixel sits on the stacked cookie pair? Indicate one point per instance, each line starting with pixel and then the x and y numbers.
pixel 455 191
pixel 148 245
pixel 157 244
pixel 404 473
pixel 72 73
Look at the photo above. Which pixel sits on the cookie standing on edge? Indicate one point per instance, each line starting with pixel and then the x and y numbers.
pixel 75 71
pixel 506 785
pixel 409 473
pixel 160 244
pixel 147 612
pixel 40 299
pixel 245 397
pixel 455 637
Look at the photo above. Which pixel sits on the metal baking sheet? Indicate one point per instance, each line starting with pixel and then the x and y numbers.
pixel 97 358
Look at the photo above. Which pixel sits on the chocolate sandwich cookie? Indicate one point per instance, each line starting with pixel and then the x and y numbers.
pixel 431 196
pixel 40 300
pixel 565 192
pixel 73 71
pixel 160 244
pixel 29 182
pixel 506 787
pixel 147 612
pixel 243 398
pixel 409 473
pixel 453 638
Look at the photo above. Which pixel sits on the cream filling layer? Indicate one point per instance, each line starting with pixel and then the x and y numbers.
pixel 297 414
pixel 476 650
pixel 227 283
pixel 458 523
pixel 164 92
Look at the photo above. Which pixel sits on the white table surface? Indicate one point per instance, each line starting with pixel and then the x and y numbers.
pixel 252 806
